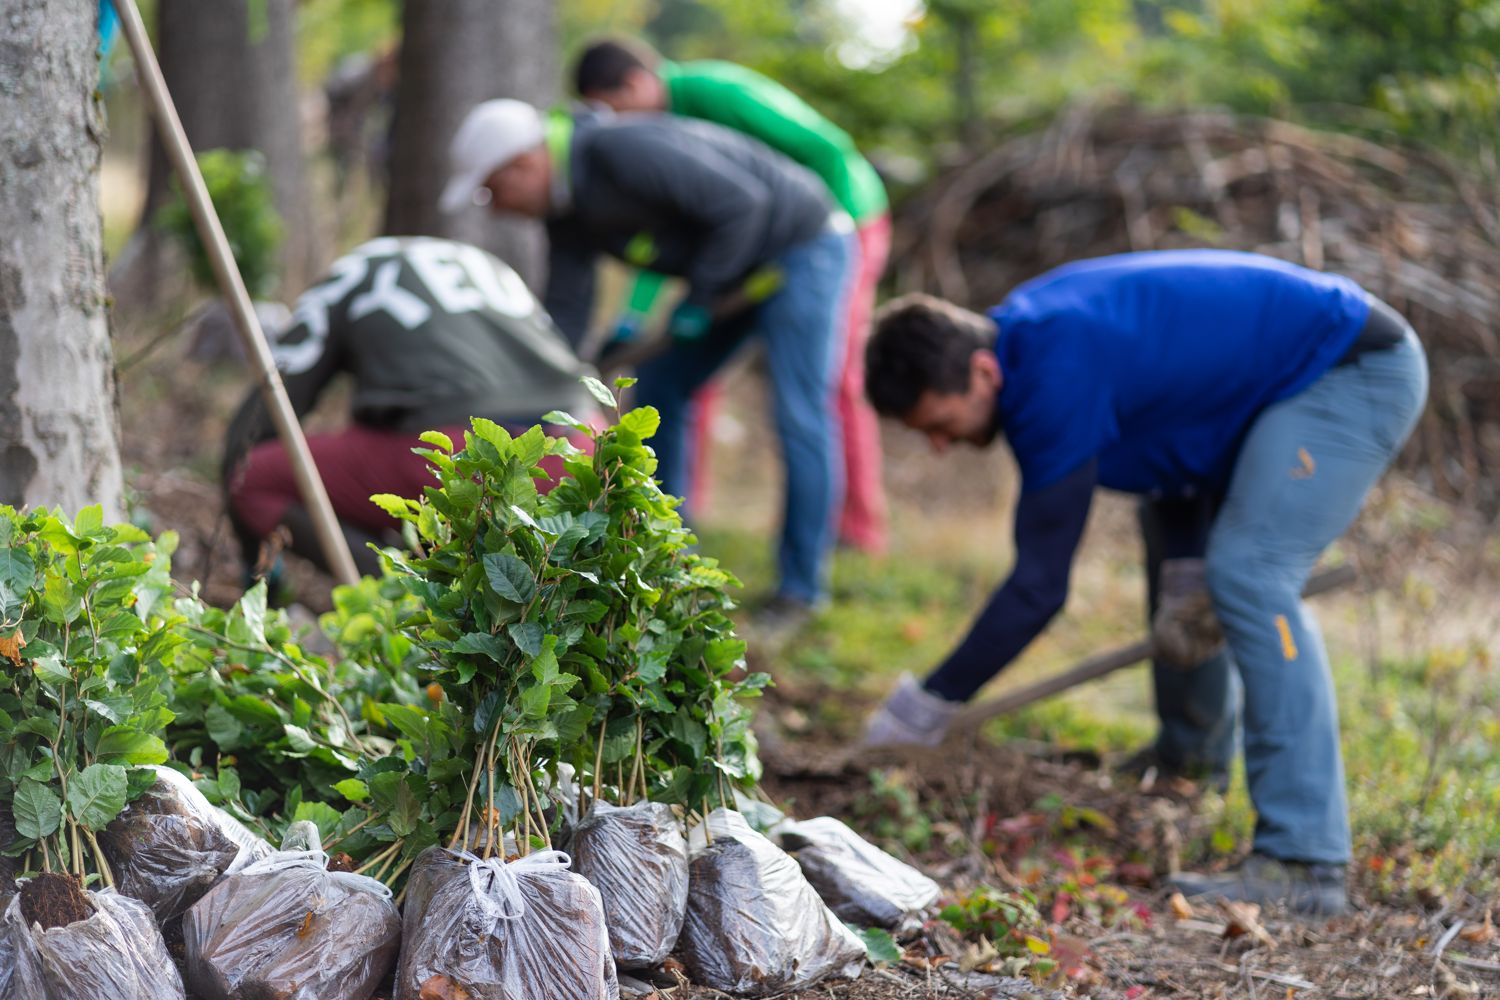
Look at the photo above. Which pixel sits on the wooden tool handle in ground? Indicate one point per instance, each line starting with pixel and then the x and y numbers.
pixel 232 287
pixel 1107 663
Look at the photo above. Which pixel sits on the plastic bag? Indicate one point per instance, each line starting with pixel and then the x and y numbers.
pixel 286 928
pixel 115 952
pixel 636 856
pixel 861 883
pixel 171 845
pixel 754 925
pixel 529 929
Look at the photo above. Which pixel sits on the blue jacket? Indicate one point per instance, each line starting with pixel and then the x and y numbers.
pixel 1155 364
pixel 1141 372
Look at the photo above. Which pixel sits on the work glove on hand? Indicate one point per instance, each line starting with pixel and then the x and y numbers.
pixel 911 714
pixel 1185 628
pixel 689 322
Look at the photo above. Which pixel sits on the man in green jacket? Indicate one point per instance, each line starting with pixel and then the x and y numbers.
pixel 628 77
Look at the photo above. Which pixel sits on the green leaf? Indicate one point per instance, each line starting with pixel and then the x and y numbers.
pixel 37 810
pixel 437 439
pixel 300 739
pixel 879 945
pixel 566 419
pixel 643 421
pixel 625 382
pixel 689 731
pixel 89 520
pixel 405 813
pixel 509 577
pixel 482 644
pixel 398 507
pixel 527 636
pixel 223 728
pixel 123 745
pixel 97 794
pixel 17 576
pixel 534 701
pixel 51 670
pixel 352 789
pixel 600 392
pixel 321 814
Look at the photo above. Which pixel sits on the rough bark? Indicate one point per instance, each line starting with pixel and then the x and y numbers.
pixel 454 54
pixel 231 68
pixel 59 440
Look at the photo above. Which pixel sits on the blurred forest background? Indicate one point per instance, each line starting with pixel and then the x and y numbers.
pixel 1354 135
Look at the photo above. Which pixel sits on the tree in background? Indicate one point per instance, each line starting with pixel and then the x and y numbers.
pixel 455 54
pixel 59 443
pixel 232 71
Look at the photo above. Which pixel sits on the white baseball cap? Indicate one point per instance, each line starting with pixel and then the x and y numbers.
pixel 492 134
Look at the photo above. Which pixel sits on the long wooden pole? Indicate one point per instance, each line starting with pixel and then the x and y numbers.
pixel 232 287
pixel 1106 663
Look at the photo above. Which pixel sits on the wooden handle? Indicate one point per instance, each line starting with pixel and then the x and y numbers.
pixel 232 287
pixel 1108 663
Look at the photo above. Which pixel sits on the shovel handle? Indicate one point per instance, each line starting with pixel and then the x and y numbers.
pixel 1108 663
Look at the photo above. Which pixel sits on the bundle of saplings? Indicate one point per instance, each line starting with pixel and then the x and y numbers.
pixel 169 847
pixel 754 925
pixel 637 857
pixel 488 929
pixel 82 706
pixel 574 630
pixel 862 884
pixel 61 942
pixel 288 927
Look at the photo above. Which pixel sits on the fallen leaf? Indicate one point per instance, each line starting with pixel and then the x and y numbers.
pixel 1479 933
pixel 1181 908
pixel 976 955
pixel 441 988
pixel 10 647
pixel 1244 920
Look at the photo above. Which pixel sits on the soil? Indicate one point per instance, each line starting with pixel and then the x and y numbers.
pixel 54 900
pixel 341 862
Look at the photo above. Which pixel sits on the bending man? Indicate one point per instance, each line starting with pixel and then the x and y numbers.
pixel 1252 404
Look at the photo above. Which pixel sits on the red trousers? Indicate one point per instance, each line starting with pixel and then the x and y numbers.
pixel 354 463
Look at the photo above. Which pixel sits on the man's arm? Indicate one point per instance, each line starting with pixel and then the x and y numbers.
pixel 570 284
pixel 1049 523
pixel 693 180
pixel 779 118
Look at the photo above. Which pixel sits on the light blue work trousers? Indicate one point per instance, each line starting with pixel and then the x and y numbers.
pixel 1301 476
pixel 802 327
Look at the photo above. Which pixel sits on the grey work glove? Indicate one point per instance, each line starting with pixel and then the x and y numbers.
pixel 1185 628
pixel 911 714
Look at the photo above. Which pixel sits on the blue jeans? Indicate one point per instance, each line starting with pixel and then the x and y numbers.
pixel 802 328
pixel 1301 476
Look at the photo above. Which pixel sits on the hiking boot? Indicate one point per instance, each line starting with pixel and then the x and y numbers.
pixel 1139 764
pixel 1309 889
pixel 779 621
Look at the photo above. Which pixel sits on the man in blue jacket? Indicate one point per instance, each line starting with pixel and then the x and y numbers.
pixel 1251 404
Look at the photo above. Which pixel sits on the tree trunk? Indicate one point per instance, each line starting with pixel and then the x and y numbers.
pixel 454 54
pixel 59 440
pixel 231 68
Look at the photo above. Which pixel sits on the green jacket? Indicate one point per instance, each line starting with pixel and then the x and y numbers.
pixel 755 105
pixel 744 100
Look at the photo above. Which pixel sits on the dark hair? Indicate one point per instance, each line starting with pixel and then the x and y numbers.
pixel 604 65
pixel 921 343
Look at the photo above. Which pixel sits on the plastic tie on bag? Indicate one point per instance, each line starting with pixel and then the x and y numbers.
pixel 496 882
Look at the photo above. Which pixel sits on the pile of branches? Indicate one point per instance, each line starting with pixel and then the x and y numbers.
pixel 1407 225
